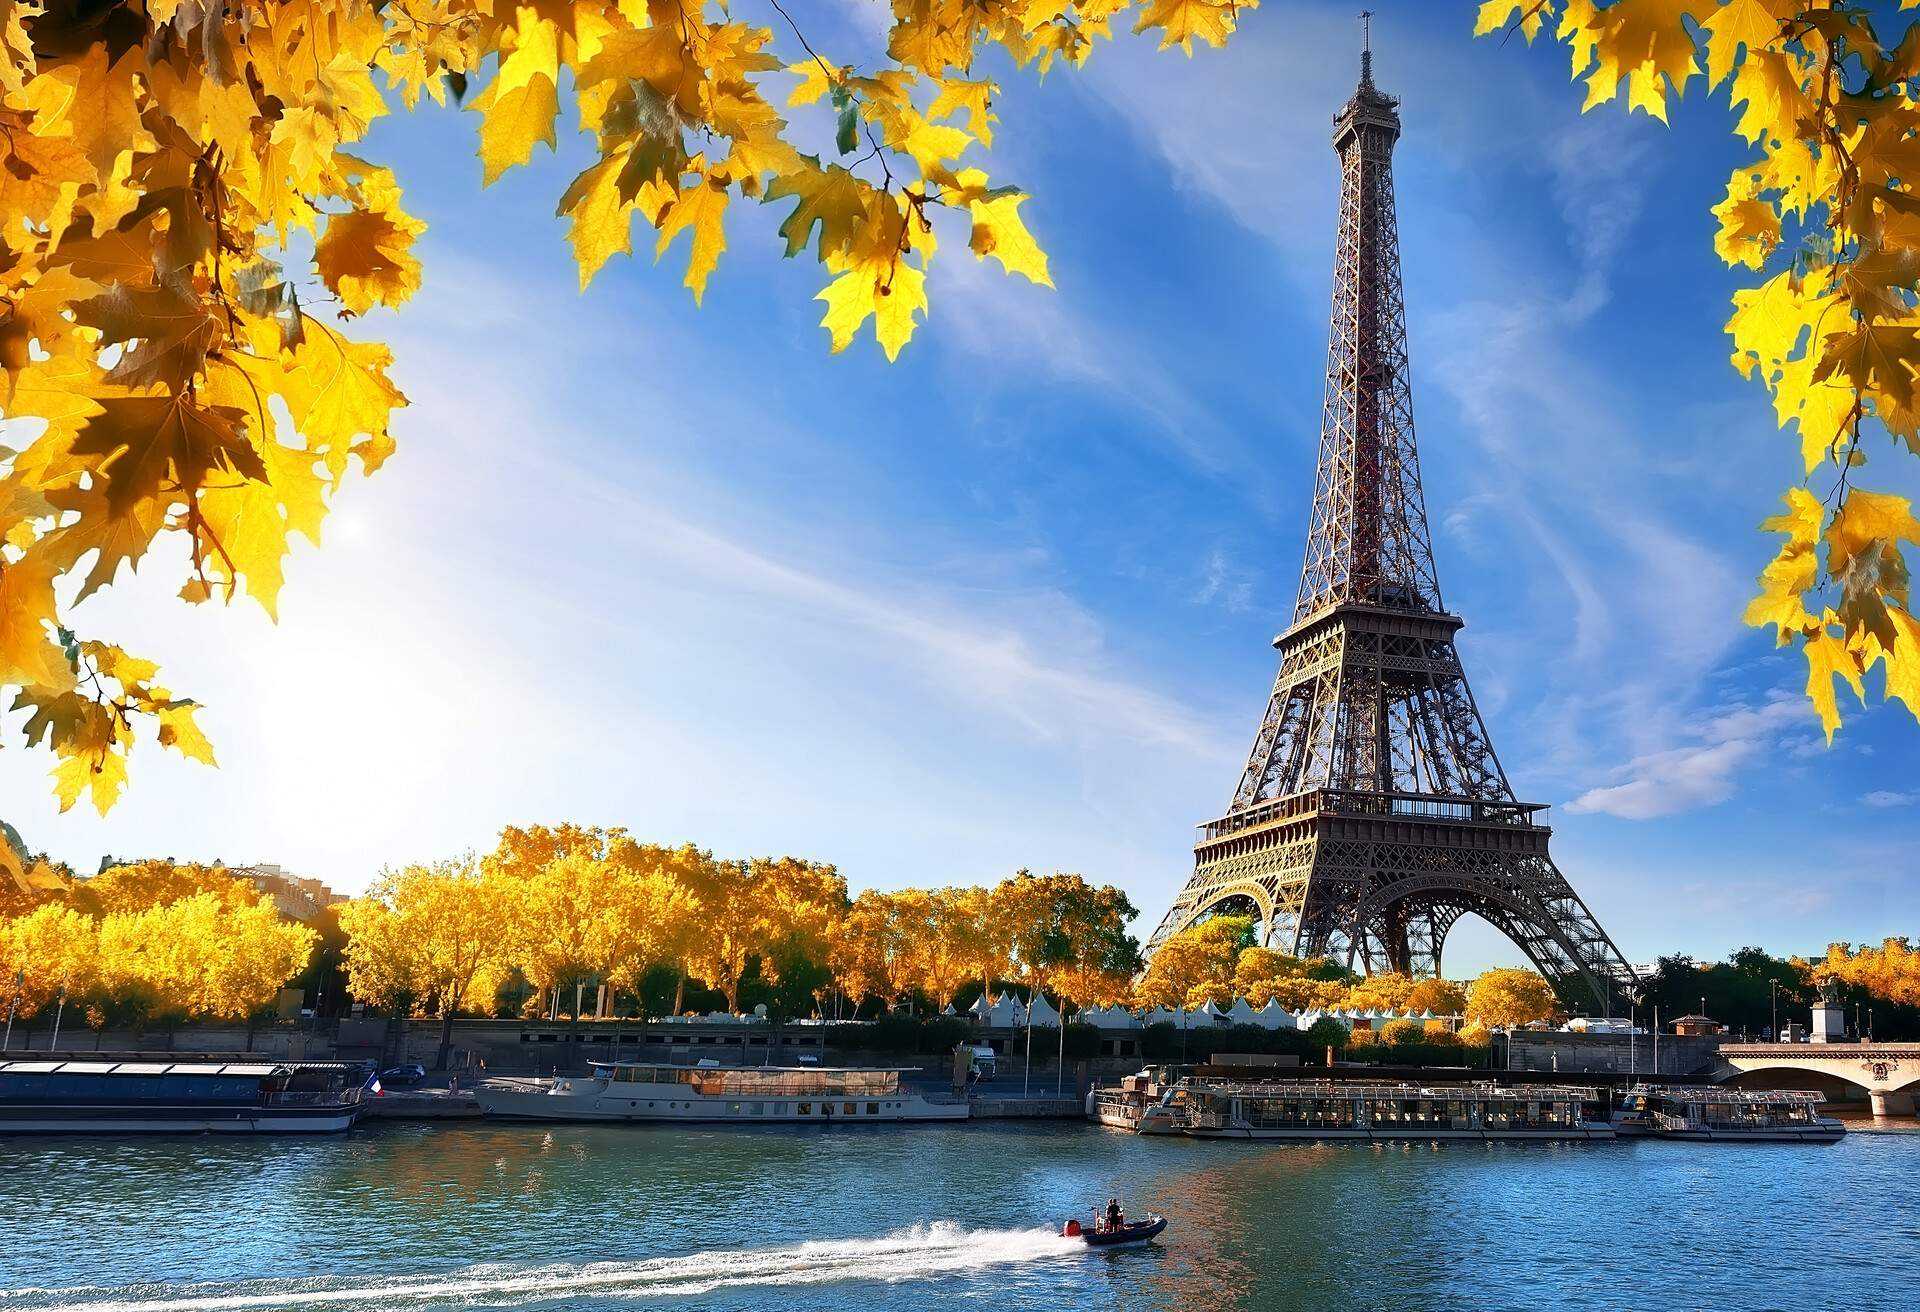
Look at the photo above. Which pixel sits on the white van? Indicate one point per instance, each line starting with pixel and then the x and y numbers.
pixel 980 1062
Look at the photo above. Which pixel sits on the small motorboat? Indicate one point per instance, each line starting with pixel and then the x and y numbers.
pixel 1120 1236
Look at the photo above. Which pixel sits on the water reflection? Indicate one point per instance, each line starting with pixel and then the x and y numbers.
pixel 900 1217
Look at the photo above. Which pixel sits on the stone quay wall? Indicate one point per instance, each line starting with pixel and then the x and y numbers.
pixel 1620 1054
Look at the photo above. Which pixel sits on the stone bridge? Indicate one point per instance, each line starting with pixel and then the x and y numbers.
pixel 1886 1073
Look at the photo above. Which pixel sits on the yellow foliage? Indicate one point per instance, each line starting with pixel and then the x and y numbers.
pixel 1890 971
pixel 1194 965
pixel 1510 997
pixel 1826 217
pixel 161 322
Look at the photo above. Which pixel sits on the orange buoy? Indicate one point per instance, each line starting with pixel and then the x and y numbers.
pixel 1071 1229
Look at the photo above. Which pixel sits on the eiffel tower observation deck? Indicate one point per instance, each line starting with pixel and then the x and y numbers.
pixel 1372 813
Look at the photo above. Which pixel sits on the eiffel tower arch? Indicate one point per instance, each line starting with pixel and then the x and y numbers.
pixel 1373 813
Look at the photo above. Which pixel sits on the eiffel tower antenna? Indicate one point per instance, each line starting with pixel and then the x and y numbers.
pixel 1372 813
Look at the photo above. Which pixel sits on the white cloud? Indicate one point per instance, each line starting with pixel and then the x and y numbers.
pixel 1701 773
pixel 1886 797
pixel 1223 582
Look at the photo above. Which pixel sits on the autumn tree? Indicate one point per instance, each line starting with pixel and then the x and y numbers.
pixel 1385 990
pixel 1195 965
pixel 651 918
pixel 1890 971
pixel 1823 217
pixel 1101 957
pixel 1505 997
pixel 50 950
pixel 986 935
pixel 184 187
pixel 557 937
pixel 763 911
pixel 434 935
pixel 1442 997
pixel 872 957
pixel 798 909
pixel 137 885
pixel 943 951
pixel 202 956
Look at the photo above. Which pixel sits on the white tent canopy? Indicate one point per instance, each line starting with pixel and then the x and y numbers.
pixel 1110 1018
pixel 1043 1011
pixel 1003 1010
pixel 1241 1013
pixel 1274 1016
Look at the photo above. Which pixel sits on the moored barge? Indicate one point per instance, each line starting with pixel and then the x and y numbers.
pixel 739 1095
pixel 157 1097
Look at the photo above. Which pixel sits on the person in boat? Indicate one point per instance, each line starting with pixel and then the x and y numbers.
pixel 1115 1217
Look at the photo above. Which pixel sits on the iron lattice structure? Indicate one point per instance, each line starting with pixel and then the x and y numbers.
pixel 1373 812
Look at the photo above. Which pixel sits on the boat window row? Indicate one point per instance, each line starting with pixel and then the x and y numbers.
pixel 31 1086
pixel 764 1083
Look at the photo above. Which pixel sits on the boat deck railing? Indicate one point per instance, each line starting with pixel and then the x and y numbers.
pixel 1345 1090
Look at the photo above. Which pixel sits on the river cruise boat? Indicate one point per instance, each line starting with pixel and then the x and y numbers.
pixel 1340 1110
pixel 1145 1104
pixel 155 1097
pixel 1725 1115
pixel 738 1095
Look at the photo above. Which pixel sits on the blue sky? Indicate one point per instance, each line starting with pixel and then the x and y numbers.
pixel 1008 601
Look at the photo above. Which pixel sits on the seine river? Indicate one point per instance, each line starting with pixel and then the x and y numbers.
pixel 405 1217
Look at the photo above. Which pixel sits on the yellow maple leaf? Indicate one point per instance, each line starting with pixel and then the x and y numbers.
pixel 519 107
pixel 1769 321
pixel 1180 21
pixel 1749 227
pixel 179 731
pixel 699 208
pixel 999 231
pixel 975 98
pixel 366 257
pixel 1827 659
pixel 602 215
pixel 1865 518
pixel 832 197
pixel 1822 410
pixel 28 653
pixel 1749 24
pixel 1903 660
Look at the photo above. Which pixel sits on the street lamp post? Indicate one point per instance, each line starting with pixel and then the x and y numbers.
pixel 1773 989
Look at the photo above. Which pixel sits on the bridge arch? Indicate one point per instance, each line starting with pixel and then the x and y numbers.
pixel 1855 1069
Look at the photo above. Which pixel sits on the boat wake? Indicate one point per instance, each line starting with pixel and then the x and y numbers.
pixel 920 1253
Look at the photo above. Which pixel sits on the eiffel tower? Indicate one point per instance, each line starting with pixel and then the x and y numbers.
pixel 1373 813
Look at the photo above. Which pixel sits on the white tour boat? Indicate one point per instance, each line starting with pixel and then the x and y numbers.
pixel 1340 1110
pixel 1725 1115
pixel 735 1095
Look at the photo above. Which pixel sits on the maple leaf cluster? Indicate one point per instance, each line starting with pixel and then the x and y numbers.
pixel 1829 213
pixel 163 161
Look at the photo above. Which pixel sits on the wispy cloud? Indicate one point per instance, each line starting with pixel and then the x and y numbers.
pixel 1223 583
pixel 1029 332
pixel 1703 772
pixel 1887 798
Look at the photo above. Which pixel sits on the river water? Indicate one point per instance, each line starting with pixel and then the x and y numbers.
pixel 878 1218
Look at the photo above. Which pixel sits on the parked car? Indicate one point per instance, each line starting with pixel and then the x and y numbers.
pixel 404 1076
